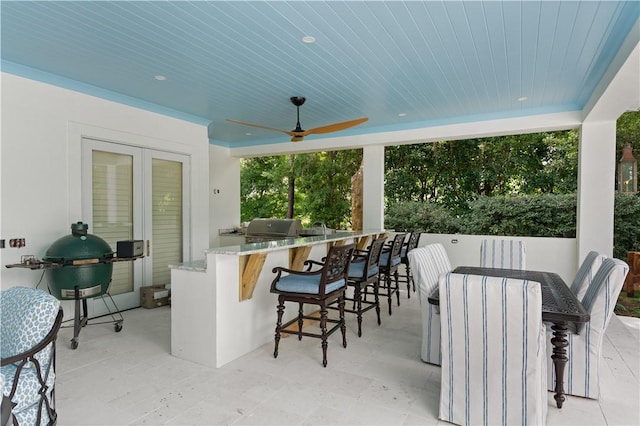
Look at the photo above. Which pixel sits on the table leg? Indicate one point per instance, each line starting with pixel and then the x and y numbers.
pixel 559 358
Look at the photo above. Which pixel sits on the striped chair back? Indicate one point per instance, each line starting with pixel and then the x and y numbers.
pixel 493 351
pixel 430 261
pixel 582 372
pixel 506 254
pixel 427 264
pixel 586 273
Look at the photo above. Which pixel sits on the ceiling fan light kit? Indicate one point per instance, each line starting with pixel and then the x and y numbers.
pixel 298 133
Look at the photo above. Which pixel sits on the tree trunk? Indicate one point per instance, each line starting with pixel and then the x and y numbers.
pixel 292 188
pixel 356 199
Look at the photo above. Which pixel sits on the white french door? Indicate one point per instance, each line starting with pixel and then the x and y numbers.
pixel 132 193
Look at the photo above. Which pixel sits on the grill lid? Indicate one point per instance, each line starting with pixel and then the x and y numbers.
pixel 274 227
pixel 79 245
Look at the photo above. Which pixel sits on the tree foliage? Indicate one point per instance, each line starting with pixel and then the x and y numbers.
pixel 453 173
pixel 540 215
pixel 322 184
pixel 626 225
pixel 508 185
pixel 262 180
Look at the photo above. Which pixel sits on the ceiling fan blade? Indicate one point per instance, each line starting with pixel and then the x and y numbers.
pixel 336 126
pixel 259 126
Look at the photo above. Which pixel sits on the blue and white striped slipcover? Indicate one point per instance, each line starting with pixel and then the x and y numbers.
pixel 427 263
pixel 586 273
pixel 27 315
pixel 493 351
pixel 505 254
pixel 582 371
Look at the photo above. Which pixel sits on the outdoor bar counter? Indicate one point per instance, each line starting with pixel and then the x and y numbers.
pixel 221 307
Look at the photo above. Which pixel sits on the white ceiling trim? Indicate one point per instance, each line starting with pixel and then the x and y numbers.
pixel 619 89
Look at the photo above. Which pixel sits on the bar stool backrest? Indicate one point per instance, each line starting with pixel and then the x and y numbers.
pixel 394 253
pixel 336 265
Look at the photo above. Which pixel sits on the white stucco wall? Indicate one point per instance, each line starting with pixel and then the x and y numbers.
pixel 372 181
pixel 224 194
pixel 42 127
pixel 557 255
pixel 596 185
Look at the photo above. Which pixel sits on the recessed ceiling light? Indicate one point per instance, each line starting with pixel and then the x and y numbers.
pixel 522 98
pixel 402 114
pixel 160 77
pixel 248 134
pixel 308 39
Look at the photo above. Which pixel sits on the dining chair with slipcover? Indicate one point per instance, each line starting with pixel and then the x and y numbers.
pixel 584 350
pixel 427 264
pixel 405 275
pixel 586 273
pixel 504 254
pixel 493 351
pixel 321 287
pixel 29 323
pixel 389 262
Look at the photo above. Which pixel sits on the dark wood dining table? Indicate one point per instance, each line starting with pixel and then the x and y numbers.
pixel 559 307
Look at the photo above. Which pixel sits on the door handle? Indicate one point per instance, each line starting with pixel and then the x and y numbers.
pixel 148 248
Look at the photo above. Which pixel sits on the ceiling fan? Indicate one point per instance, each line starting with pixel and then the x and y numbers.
pixel 298 133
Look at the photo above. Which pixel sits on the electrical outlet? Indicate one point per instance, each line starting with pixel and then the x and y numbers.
pixel 17 242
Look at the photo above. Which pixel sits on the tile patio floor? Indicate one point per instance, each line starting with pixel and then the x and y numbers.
pixel 130 378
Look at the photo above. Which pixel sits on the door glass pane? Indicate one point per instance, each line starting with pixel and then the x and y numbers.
pixel 166 218
pixel 113 209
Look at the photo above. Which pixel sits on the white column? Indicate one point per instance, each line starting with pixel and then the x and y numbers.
pixel 373 187
pixel 596 187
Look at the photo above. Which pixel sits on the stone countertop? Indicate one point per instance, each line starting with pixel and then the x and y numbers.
pixel 196 266
pixel 244 249
pixel 247 249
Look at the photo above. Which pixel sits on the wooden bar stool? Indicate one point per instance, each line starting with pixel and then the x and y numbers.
pixel 321 287
pixel 389 262
pixel 406 277
pixel 364 274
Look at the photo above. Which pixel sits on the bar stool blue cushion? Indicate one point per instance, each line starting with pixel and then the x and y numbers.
pixel 306 284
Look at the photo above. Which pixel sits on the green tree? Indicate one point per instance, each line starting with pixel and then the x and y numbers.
pixel 452 173
pixel 262 180
pixel 449 174
pixel 325 180
pixel 628 130
pixel 310 187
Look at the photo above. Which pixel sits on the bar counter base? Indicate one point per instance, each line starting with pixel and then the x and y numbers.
pixel 222 308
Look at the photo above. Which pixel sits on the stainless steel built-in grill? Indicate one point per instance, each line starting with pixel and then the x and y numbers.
pixel 260 230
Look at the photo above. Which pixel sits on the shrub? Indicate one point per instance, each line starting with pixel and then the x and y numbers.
pixel 544 215
pixel 626 225
pixel 426 217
